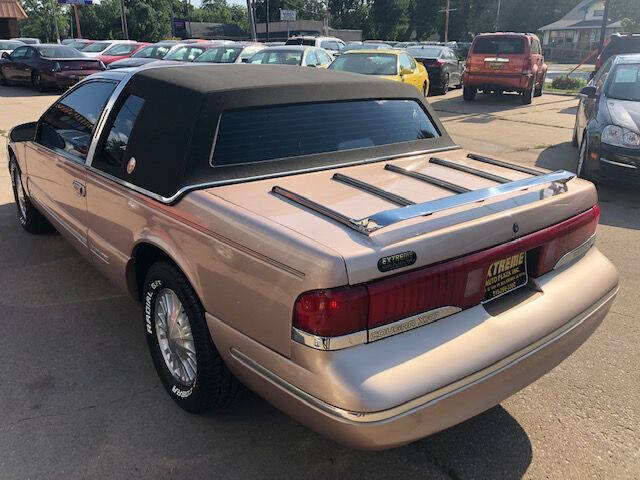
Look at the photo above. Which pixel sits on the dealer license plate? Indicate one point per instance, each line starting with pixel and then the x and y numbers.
pixel 506 275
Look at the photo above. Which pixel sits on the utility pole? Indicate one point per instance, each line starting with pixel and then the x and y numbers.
pixel 77 18
pixel 55 20
pixel 123 18
pixel 495 28
pixel 446 20
pixel 603 27
pixel 267 23
pixel 252 23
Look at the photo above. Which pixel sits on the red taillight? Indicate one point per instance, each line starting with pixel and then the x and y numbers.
pixel 439 62
pixel 526 66
pixel 459 282
pixel 332 312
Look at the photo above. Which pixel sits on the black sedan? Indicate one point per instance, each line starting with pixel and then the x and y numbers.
pixel 46 66
pixel 442 63
pixel 607 127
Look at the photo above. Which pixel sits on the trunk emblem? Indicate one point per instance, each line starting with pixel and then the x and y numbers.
pixel 516 228
pixel 399 260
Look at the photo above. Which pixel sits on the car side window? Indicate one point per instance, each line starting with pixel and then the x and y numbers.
pixel 68 125
pixel 405 62
pixel 29 53
pixel 311 58
pixel 111 156
pixel 323 57
pixel 535 46
pixel 19 53
pixel 601 76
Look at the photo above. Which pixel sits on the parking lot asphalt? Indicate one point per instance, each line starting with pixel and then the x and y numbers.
pixel 79 397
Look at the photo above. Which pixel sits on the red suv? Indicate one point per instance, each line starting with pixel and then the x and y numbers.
pixel 505 62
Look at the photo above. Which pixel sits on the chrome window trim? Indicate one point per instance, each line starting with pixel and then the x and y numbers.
pixel 430 398
pixel 576 253
pixel 197 186
pixel 97 133
pixel 97 128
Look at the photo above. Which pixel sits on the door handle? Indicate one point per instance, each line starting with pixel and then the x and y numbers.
pixel 79 188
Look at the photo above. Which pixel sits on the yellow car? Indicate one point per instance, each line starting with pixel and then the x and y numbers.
pixel 395 65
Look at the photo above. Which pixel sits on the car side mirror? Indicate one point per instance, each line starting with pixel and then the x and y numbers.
pixel 589 91
pixel 311 65
pixel 245 60
pixel 405 71
pixel 6 56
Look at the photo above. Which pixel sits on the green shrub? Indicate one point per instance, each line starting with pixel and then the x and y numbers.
pixel 567 83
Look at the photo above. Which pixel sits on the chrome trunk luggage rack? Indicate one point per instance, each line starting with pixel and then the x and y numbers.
pixel 409 209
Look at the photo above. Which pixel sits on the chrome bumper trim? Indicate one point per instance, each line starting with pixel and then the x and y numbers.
pixel 328 343
pixel 431 397
pixel 373 334
pixel 619 164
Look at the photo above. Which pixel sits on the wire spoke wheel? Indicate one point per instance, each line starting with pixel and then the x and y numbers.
pixel 173 332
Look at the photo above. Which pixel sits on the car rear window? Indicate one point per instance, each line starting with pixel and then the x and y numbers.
pixel 367 63
pixel 268 133
pixel 59 52
pixel 301 41
pixel 499 44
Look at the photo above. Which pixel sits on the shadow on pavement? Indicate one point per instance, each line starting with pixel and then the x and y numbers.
pixel 21 92
pixel 490 445
pixel 620 204
pixel 93 376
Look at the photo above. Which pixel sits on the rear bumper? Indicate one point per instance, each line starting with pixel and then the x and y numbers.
pixel 66 79
pixel 508 82
pixel 399 379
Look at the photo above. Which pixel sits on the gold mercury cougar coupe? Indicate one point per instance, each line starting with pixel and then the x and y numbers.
pixel 318 237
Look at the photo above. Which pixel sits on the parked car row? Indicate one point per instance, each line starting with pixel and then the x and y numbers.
pixel 331 248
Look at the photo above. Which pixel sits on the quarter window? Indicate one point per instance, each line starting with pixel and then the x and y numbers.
pixel 405 62
pixel 112 157
pixel 68 125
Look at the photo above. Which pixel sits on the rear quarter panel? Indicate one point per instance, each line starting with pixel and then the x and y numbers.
pixel 246 270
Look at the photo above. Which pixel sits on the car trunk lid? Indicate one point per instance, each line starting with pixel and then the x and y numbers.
pixel 78 64
pixel 362 191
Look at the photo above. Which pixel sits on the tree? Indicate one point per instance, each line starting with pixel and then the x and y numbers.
pixel 390 18
pixel 39 23
pixel 628 11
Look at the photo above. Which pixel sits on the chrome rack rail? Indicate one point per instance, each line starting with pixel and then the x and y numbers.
pixel 372 189
pixel 473 171
pixel 427 178
pixel 386 218
pixel 354 224
pixel 500 163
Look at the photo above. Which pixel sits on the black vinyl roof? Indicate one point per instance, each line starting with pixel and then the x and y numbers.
pixel 207 79
pixel 176 130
